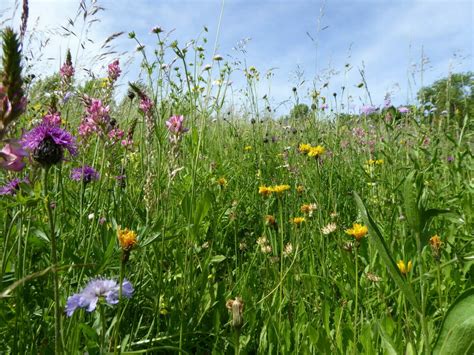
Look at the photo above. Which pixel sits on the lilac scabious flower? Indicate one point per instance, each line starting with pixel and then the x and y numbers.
pixel 175 125
pixel 47 143
pixel 114 70
pixel 11 187
pixel 85 174
pixel 368 109
pixel 11 156
pixel 403 109
pixel 96 290
pixel 387 101
pixel 324 106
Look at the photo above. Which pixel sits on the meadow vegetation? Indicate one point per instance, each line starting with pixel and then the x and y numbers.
pixel 168 221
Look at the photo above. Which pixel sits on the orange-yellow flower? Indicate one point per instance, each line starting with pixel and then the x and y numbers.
pixel 298 220
pixel 270 220
pixel 280 188
pixel 300 189
pixel 316 151
pixel 222 182
pixel 308 208
pixel 435 242
pixel 265 190
pixel 404 269
pixel 127 238
pixel 304 148
pixel 358 231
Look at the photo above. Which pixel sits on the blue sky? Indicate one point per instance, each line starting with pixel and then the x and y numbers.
pixel 385 38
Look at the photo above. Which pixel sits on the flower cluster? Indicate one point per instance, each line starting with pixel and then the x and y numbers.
pixel 96 290
pixel 97 118
pixel 311 151
pixel 85 174
pixel 127 238
pixel 114 70
pixel 268 190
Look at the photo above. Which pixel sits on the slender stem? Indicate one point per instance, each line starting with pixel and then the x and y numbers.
pixel 117 324
pixel 356 310
pixel 424 325
pixel 54 261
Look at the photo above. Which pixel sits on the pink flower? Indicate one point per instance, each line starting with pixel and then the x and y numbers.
pixel 403 109
pixel 66 71
pixel 114 70
pixel 52 119
pixel 175 125
pixel 145 104
pixel 11 157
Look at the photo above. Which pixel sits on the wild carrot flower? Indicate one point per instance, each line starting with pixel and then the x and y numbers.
pixel 404 269
pixel 96 290
pixel 11 156
pixel 175 125
pixel 11 187
pixel 297 221
pixel 358 231
pixel 86 174
pixel 127 238
pixel 329 228
pixel 47 143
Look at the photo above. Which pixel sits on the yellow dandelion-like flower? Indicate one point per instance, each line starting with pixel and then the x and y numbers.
pixel 298 220
pixel 435 241
pixel 358 231
pixel 316 151
pixel 127 238
pixel 280 188
pixel 265 190
pixel 379 161
pixel 248 148
pixel 300 189
pixel 222 182
pixel 304 148
pixel 404 269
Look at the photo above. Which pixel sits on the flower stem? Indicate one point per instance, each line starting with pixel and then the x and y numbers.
pixel 54 261
pixel 356 309
pixel 117 324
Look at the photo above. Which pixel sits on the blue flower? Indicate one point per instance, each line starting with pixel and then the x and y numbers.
pixel 95 290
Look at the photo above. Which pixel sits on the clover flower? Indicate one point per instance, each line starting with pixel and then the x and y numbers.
pixel 85 174
pixel 98 289
pixel 47 143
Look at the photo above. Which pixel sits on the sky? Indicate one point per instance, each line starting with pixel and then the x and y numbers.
pixel 398 45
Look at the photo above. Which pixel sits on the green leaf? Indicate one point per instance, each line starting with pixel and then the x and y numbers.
pixel 376 238
pixel 387 342
pixel 411 197
pixel 457 331
pixel 217 259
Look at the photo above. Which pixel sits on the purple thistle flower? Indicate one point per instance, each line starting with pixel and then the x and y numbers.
pixel 175 125
pixel 11 187
pixel 98 289
pixel 85 174
pixel 47 142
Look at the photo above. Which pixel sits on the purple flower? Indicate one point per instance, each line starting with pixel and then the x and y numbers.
pixel 324 106
pixel 11 187
pixel 47 142
pixel 11 156
pixel 368 109
pixel 175 125
pixel 114 70
pixel 450 158
pixel 95 290
pixel 403 109
pixel 85 174
pixel 387 101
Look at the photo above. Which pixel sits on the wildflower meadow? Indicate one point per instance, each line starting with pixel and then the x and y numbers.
pixel 158 216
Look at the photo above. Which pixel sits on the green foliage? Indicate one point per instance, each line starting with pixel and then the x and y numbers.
pixel 299 111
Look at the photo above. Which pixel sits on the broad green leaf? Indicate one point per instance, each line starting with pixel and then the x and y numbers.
pixel 376 238
pixel 387 342
pixel 457 331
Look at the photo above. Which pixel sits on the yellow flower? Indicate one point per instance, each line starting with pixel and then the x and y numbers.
pixel 298 220
pixel 265 190
pixel 270 220
pixel 316 151
pixel 248 148
pixel 404 269
pixel 358 231
pixel 300 189
pixel 304 148
pixel 280 188
pixel 379 161
pixel 222 182
pixel 127 238
pixel 435 242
